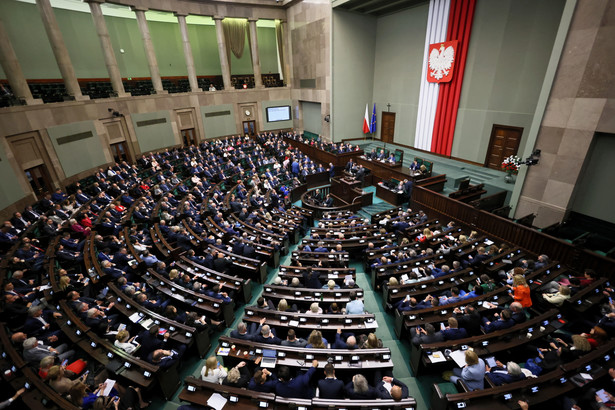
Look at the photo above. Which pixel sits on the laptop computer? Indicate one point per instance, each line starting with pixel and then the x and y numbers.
pixel 269 359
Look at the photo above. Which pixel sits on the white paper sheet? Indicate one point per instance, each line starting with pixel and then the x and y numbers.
pixel 217 401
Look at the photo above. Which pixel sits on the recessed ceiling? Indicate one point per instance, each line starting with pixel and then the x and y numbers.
pixel 377 7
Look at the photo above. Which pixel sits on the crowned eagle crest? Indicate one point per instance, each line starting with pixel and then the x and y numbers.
pixel 441 61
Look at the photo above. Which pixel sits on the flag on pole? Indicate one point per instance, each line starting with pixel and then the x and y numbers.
pixel 372 126
pixel 366 127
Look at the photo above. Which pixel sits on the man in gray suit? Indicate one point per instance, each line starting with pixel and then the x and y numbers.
pixel 34 351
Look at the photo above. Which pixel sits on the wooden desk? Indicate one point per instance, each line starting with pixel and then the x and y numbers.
pixel 382 171
pixel 391 196
pixel 324 157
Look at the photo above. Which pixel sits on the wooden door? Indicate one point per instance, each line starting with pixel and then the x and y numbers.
pixel 387 126
pixel 119 150
pixel 249 128
pixel 504 142
pixel 39 180
pixel 189 137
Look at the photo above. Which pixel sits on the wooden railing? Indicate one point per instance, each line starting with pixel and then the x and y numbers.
pixel 507 231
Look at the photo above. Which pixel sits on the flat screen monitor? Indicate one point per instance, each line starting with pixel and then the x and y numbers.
pixel 280 113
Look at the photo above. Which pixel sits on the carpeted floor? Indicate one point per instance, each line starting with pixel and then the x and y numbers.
pixel 400 350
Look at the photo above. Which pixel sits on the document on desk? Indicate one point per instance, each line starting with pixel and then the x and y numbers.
pixel 293 323
pixel 108 386
pixel 459 356
pixel 371 325
pixel 147 323
pixel 216 401
pixel 436 357
pixel 224 351
pixel 134 318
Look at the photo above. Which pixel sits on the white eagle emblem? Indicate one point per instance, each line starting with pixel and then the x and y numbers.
pixel 440 62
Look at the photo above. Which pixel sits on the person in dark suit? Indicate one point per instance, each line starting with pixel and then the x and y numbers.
pixel 469 320
pixel 242 331
pixel 452 331
pixel 328 201
pixel 238 247
pixel 261 383
pixel 503 321
pixel 249 251
pixel 267 336
pixel 360 175
pixel 425 335
pixel 407 188
pixel 310 279
pixel 221 264
pixel 298 386
pixel 359 389
pixel 391 388
pixel 149 341
pixel 330 387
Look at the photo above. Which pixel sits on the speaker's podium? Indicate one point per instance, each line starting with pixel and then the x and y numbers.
pixel 349 191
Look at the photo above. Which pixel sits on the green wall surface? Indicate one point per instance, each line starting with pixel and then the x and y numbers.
pixel 591 197
pixel 509 51
pixel 219 125
pixel 354 39
pixel 271 126
pixel 156 136
pixel 311 117
pixel 80 155
pixel 204 49
pixel 400 43
pixel 29 39
pixel 169 48
pixel 10 190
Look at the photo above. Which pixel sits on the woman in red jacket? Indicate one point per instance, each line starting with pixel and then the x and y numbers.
pixel 521 291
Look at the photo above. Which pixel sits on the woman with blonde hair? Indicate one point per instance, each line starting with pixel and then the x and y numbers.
pixel 372 342
pixel 316 340
pixel 473 373
pixel 238 376
pixel 283 306
pixel 393 281
pixel 213 371
pixel 44 366
pixel 173 274
pixel 123 341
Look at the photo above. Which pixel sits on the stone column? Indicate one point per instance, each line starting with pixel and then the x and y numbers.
pixel 59 50
pixel 226 71
pixel 107 48
pixel 12 69
pixel 256 63
pixel 287 57
pixel 149 50
pixel 183 28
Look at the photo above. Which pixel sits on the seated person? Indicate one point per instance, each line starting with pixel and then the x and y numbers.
pixel 500 321
pixel 350 343
pixel 359 389
pixel 391 388
pixel 267 336
pixel 261 382
pixel 452 331
pixel 293 340
pixel 298 386
pixel 425 335
pixel 473 373
pixel 501 374
pixel 330 387
pixel 213 371
pixel 238 376
pixel 316 340
pixel 558 298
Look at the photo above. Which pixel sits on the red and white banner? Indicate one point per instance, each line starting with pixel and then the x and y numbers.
pixel 366 127
pixel 441 63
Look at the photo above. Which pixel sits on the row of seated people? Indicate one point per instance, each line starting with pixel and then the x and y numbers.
pixel 321 144
pixel 92 316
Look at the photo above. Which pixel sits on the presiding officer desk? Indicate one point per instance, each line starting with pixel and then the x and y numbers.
pixel 339 160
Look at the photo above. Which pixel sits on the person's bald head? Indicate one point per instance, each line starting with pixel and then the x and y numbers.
pixel 351 341
pixel 396 393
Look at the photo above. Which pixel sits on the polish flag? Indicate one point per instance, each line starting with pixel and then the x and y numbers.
pixel 366 128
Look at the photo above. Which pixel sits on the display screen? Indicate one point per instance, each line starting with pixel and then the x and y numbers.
pixel 281 113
